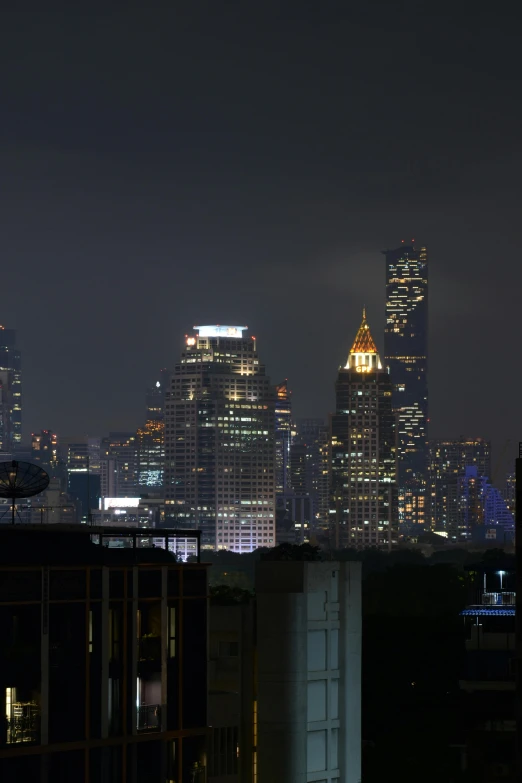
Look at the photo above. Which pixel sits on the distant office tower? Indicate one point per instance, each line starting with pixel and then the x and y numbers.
pixel 406 354
pixel 510 489
pixel 119 465
pixel 307 723
pixel 447 461
pixel 363 511
pixel 283 425
pixel 313 435
pixel 44 450
pixel 151 455
pixel 220 441
pixel 83 475
pixel 482 512
pixel 10 392
pixel 155 397
pixel 150 439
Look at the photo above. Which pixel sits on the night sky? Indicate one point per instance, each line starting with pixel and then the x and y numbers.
pixel 245 163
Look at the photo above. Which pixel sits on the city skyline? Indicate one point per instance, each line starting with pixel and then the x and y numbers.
pixel 503 446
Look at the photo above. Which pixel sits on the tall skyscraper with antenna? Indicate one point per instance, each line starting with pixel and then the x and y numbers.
pixel 406 354
pixel 363 459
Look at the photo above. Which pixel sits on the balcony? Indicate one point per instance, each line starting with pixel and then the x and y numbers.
pixel 503 598
pixel 148 717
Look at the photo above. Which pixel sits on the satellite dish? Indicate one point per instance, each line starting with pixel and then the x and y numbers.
pixel 21 480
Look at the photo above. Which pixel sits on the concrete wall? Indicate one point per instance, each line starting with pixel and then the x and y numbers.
pixel 309 672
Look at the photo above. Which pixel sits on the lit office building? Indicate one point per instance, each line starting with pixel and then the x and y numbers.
pixel 447 462
pixel 220 441
pixel 363 510
pixel 482 512
pixel 10 392
pixel 151 455
pixel 406 355
pixel 119 465
pixel 44 450
pixel 283 425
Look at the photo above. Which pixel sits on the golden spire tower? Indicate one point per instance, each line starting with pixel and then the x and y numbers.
pixel 363 355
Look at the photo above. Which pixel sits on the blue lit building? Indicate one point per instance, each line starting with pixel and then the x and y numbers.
pixel 406 355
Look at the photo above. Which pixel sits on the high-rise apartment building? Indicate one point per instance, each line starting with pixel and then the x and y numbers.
pixel 220 441
pixel 447 462
pixel 10 392
pixel 406 355
pixel 363 510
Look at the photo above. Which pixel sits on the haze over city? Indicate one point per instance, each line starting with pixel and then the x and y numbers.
pixel 226 164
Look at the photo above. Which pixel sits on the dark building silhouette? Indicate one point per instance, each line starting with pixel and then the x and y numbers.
pixel 102 657
pixel 406 354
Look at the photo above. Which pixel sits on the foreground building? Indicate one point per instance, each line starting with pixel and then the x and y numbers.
pixel 103 657
pixel 363 510
pixel 487 719
pixel 220 475
pixel 406 355
pixel 285 677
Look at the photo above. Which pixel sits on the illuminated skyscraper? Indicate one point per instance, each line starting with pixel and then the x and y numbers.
pixel 220 441
pixel 151 455
pixel 283 424
pixel 363 510
pixel 406 354
pixel 10 392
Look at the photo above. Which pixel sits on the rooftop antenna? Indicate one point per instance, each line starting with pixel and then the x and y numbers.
pixel 21 480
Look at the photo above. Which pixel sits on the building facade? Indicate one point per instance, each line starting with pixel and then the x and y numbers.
pixel 119 465
pixel 307 721
pixel 10 392
pixel 447 463
pixel 406 355
pixel 103 661
pixel 44 450
pixel 363 459
pixel 220 470
pixel 283 425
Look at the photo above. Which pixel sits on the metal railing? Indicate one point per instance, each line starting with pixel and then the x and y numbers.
pixel 23 729
pixel 500 598
pixel 149 717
